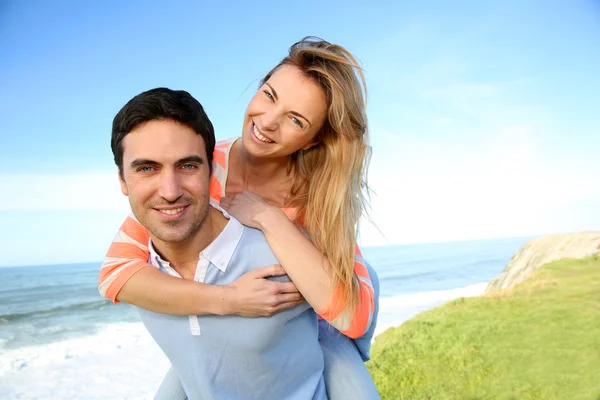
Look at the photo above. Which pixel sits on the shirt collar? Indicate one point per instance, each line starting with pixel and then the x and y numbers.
pixel 219 252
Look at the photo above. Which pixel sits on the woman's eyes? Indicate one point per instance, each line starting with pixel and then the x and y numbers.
pixel 297 122
pixel 268 94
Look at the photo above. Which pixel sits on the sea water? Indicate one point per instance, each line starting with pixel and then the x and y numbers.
pixel 60 340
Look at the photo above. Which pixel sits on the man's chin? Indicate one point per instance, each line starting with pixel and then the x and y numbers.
pixel 171 234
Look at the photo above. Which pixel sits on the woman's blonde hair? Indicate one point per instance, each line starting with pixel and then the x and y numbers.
pixel 330 178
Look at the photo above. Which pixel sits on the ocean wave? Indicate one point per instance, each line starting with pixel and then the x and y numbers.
pixel 107 340
pixel 395 310
pixel 89 305
pixel 121 361
pixel 411 300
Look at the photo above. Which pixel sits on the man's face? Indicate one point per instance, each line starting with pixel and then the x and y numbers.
pixel 166 177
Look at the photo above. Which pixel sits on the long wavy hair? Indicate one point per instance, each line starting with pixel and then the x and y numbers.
pixel 330 185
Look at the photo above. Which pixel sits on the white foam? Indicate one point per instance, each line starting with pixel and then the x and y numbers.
pixel 119 362
pixel 393 311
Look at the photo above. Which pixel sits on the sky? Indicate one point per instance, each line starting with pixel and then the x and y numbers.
pixel 483 115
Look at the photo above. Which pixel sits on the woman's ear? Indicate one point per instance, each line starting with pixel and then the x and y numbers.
pixel 313 143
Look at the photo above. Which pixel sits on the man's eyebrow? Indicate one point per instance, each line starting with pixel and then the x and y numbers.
pixel 189 159
pixel 297 114
pixel 139 162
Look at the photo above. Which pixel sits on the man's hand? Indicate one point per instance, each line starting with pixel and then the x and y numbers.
pixel 253 295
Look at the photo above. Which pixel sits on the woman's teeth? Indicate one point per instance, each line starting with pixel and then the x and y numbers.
pixel 261 137
pixel 172 212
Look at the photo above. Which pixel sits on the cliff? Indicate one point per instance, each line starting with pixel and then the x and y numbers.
pixel 544 250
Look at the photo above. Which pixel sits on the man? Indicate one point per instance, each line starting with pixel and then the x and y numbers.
pixel 163 144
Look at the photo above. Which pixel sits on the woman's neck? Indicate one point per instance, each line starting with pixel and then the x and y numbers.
pixel 269 178
pixel 257 172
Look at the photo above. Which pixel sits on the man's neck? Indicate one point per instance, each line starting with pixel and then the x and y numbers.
pixel 183 256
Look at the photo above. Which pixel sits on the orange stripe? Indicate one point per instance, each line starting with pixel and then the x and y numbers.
pixel 219 157
pixel 359 323
pixel 361 270
pixel 336 307
pixel 290 212
pixel 126 250
pixel 115 287
pixel 364 309
pixel 357 251
pixel 215 189
pixel 136 231
pixel 122 250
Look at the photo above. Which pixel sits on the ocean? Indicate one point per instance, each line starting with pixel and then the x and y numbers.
pixel 60 340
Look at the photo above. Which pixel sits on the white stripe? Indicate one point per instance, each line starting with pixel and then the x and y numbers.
pixel 194 325
pixel 342 322
pixel 103 287
pixel 218 172
pixel 122 237
pixel 367 281
pixel 111 261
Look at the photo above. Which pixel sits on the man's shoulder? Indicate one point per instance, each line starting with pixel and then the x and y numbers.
pixel 252 236
pixel 253 244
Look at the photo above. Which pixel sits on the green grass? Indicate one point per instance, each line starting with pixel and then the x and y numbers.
pixel 540 340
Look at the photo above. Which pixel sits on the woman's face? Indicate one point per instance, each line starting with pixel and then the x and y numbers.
pixel 285 115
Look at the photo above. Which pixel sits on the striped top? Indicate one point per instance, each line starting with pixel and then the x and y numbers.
pixel 129 253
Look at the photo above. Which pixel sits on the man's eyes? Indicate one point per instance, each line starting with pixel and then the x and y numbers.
pixel 189 166
pixel 150 168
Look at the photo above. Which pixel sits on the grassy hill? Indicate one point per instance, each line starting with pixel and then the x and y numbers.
pixel 539 340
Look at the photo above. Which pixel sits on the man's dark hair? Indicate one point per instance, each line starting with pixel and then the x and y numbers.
pixel 161 104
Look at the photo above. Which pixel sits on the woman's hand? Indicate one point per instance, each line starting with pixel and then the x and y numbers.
pixel 250 209
pixel 253 295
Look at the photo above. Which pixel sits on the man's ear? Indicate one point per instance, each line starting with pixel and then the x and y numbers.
pixel 122 182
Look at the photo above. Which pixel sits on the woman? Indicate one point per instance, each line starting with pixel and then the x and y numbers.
pixel 303 155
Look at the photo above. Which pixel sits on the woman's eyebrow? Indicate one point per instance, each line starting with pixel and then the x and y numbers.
pixel 297 114
pixel 273 90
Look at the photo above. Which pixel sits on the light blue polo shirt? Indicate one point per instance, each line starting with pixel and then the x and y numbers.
pixel 232 357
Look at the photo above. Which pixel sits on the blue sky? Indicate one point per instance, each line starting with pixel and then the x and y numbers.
pixel 483 114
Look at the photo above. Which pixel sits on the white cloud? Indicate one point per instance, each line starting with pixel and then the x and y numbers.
pixel 505 185
pixel 52 237
pixel 71 192
pixel 476 151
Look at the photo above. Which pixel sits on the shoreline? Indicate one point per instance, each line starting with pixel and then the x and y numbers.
pixel 121 361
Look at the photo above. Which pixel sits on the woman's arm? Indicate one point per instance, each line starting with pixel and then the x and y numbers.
pixel 305 264
pixel 126 276
pixel 251 295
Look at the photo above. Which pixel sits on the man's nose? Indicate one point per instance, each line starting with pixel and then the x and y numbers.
pixel 170 188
